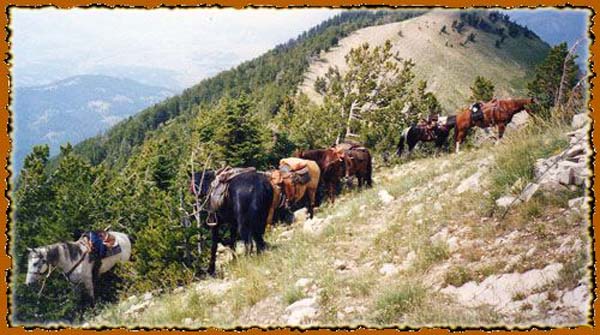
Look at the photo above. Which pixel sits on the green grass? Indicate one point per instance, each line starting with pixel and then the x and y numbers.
pixel 397 301
pixel 515 159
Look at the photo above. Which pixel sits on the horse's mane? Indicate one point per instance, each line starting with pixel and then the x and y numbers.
pixel 313 154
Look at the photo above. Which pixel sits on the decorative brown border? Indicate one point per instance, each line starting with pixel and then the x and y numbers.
pixel 5 91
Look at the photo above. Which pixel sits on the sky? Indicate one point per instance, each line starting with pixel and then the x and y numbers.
pixel 177 48
pixel 189 44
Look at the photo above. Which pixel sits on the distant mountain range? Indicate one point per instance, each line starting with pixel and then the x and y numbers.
pixel 556 26
pixel 74 109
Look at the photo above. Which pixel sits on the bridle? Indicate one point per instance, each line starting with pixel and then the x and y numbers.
pixel 45 273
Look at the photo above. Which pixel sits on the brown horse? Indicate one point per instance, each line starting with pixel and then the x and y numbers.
pixel 331 164
pixel 358 162
pixel 493 113
pixel 289 178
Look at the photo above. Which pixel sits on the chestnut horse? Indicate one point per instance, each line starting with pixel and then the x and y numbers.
pixel 495 113
pixel 331 164
pixel 292 189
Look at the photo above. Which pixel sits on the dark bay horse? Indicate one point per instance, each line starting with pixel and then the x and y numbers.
pixel 416 133
pixel 357 162
pixel 331 164
pixel 495 112
pixel 244 211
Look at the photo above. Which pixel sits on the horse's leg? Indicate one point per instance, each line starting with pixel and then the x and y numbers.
pixel 214 237
pixel 88 283
pixel 331 191
pixel 501 129
pixel 311 201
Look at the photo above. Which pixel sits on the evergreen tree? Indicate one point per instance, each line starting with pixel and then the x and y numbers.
pixel 239 135
pixel 546 82
pixel 482 89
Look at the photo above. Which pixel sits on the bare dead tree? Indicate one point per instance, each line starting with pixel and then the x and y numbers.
pixel 563 79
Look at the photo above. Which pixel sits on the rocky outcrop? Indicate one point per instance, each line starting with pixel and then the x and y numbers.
pixel 569 167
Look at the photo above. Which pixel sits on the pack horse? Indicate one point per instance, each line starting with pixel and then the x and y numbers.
pixel 77 259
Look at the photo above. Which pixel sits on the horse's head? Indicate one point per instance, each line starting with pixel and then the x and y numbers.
pixel 528 103
pixel 200 182
pixel 37 265
pixel 298 153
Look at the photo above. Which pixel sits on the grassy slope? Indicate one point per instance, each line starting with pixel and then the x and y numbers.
pixel 362 233
pixel 449 69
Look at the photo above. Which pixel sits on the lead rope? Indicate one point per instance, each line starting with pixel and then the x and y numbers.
pixel 50 269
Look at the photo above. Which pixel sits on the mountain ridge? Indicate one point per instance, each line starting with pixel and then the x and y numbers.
pixel 445 58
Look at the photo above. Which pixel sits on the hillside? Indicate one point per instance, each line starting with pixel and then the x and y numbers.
pixel 448 66
pixel 427 246
pixel 74 109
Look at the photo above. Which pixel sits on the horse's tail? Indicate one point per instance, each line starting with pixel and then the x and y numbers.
pixel 401 142
pixel 369 171
pixel 451 122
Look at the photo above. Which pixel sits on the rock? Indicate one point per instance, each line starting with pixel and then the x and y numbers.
pixel 301 215
pixel 529 191
pixel 531 251
pixel 506 201
pixel 137 308
pixel 147 296
pixel 453 244
pixel 286 235
pixel 416 209
pixel 314 226
pixel 132 298
pixel 408 261
pixel 188 321
pixel 385 197
pixel 178 289
pixel 499 290
pixel 518 121
pixel 441 235
pixel 302 311
pixel 388 269
pixel 470 184
pixel 215 287
pixel 578 298
pixel 303 283
pixel 580 120
pixel 577 203
pixel 341 265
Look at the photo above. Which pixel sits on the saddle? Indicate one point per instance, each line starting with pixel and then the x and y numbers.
pixel 220 186
pixel 108 247
pixel 298 169
pixel 476 112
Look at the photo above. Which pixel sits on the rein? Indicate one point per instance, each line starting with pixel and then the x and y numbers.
pixel 85 253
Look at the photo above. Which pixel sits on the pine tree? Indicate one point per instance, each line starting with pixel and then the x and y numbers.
pixel 482 89
pixel 546 83
pixel 239 135
pixel 32 203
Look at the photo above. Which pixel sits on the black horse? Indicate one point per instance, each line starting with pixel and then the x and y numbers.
pixel 244 210
pixel 415 133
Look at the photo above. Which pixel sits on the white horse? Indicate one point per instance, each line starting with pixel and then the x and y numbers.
pixel 73 259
